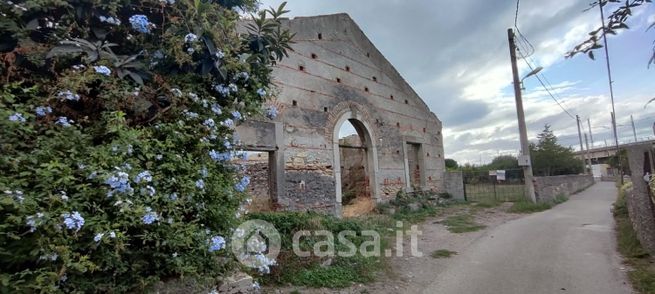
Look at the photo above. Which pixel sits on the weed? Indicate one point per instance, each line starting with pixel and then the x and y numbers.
pixel 462 223
pixel 529 207
pixel 642 275
pixel 442 253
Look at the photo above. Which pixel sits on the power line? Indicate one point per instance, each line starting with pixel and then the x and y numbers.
pixel 548 91
pixel 531 49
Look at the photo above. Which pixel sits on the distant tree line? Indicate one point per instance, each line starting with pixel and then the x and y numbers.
pixel 548 157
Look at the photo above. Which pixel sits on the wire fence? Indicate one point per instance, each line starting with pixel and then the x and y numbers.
pixel 501 185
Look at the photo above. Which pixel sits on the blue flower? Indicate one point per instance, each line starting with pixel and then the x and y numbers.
pixel 203 172
pixel 209 123
pixel 68 95
pixel 159 157
pixel 119 183
pixel 150 190
pixel 271 112
pixel 150 216
pixel 158 54
pixel 223 90
pixel 103 70
pixel 243 155
pixel 200 184
pixel 243 184
pixel 110 20
pixel 73 221
pixel 228 123
pixel 261 92
pixel 98 237
pixel 219 54
pixel 190 114
pixel 173 196
pixel 43 111
pixel 227 144
pixel 236 115
pixel 18 117
pixel 243 75
pixel 216 109
pixel 216 156
pixel 190 50
pixel 63 121
pixel 34 221
pixel 18 195
pixel 190 38
pixel 216 243
pixel 143 176
pixel 232 87
pixel 140 23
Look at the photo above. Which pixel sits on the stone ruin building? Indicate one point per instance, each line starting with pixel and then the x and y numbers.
pixel 333 77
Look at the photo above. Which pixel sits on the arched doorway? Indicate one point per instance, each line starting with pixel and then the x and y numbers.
pixel 355 165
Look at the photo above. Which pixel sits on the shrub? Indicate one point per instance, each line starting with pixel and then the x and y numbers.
pixel 116 130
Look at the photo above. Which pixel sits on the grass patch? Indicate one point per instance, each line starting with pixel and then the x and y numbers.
pixel 642 276
pixel 315 271
pixel 529 207
pixel 462 223
pixel 442 253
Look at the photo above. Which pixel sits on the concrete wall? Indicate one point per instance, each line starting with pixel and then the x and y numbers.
pixel 454 184
pixel 547 188
pixel 334 74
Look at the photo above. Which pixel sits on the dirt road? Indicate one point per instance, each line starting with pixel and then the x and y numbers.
pixel 568 249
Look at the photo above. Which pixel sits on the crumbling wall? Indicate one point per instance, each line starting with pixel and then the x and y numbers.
pixel 454 184
pixel 257 168
pixel 640 199
pixel 334 69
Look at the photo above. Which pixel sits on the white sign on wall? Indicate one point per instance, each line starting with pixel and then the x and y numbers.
pixel 500 175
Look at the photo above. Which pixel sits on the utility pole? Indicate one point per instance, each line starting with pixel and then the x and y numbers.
pixel 584 156
pixel 602 3
pixel 591 136
pixel 634 131
pixel 524 159
pixel 588 155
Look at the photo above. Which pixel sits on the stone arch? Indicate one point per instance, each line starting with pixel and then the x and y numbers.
pixel 359 120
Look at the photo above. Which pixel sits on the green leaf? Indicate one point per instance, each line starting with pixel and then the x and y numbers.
pixel 64 50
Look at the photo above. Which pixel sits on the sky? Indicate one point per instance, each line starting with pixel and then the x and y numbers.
pixel 455 55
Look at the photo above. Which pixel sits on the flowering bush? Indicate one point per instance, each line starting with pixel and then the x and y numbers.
pixel 116 138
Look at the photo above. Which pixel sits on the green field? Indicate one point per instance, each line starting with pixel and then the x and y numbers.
pixel 489 192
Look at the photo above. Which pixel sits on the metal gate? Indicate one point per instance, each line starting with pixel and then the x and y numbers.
pixel 494 185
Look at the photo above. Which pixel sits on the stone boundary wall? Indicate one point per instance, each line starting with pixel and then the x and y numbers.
pixel 548 188
pixel 454 184
pixel 639 199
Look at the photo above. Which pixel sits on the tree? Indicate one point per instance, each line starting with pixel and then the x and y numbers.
pixel 451 164
pixel 550 159
pixel 503 162
pixel 615 21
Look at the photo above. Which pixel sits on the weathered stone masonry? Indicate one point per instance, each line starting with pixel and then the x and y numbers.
pixel 335 74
